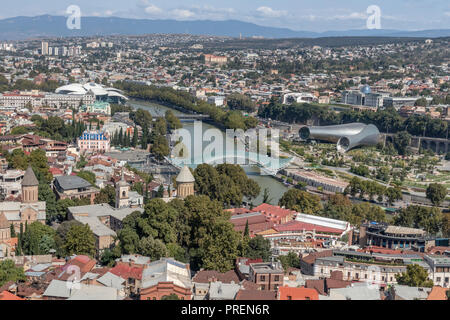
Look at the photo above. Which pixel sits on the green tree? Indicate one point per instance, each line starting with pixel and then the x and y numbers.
pixel 238 101
pixel 301 201
pixel 88 176
pixel 259 248
pixel 393 194
pixel 415 276
pixel 106 195
pixel 421 102
pixel 401 142
pixel 80 240
pixel 135 141
pixel 152 248
pixel 160 147
pixel 436 193
pixel 172 121
pixel 129 240
pixel 45 193
pixel 291 260
pixel 429 219
pixel 9 272
pixel 220 248
pixel 38 239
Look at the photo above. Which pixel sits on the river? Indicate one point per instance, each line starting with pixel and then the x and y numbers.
pixel 276 188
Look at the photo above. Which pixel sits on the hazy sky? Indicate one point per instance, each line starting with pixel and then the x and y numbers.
pixel 313 15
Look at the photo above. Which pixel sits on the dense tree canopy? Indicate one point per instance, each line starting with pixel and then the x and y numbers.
pixel 226 183
pixel 186 102
pixel 301 201
pixel 195 229
pixel 429 219
pixel 79 240
pixel 9 272
pixel 436 193
pixel 415 276
pixel 242 102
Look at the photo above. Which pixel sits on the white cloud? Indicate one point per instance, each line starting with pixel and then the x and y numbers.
pixel 152 9
pixel 447 13
pixel 182 13
pixel 350 16
pixel 270 13
pixel 109 13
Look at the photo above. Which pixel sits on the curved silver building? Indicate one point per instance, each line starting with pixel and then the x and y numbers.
pixel 347 136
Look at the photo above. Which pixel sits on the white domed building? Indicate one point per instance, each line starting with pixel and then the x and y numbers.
pixel 101 92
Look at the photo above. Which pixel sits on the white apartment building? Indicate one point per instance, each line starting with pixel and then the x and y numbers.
pixel 440 270
pixel 38 99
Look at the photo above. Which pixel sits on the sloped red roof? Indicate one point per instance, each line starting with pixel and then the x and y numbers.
pixel 208 276
pixel 255 295
pixel 273 211
pixel 126 271
pixel 288 293
pixel 300 226
pixel 5 295
pixel 438 293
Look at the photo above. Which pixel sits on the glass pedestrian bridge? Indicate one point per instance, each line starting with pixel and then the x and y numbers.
pixel 268 165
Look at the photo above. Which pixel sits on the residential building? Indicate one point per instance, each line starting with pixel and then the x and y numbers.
pixel 93 141
pixel 267 275
pixel 165 277
pixel 440 269
pixel 401 292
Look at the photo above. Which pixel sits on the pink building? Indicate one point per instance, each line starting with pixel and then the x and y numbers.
pixel 93 142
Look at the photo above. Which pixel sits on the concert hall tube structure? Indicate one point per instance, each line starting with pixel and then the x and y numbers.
pixel 347 136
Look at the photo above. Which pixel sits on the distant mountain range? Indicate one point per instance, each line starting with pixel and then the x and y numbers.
pixel 20 28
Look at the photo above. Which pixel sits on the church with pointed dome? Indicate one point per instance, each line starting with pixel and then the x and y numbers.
pixel 27 211
pixel 185 183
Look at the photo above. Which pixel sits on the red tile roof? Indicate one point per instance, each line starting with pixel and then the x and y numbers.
pixel 5 295
pixel 275 211
pixel 255 295
pixel 311 258
pixel 438 293
pixel 318 285
pixel 300 226
pixel 238 211
pixel 126 271
pixel 288 293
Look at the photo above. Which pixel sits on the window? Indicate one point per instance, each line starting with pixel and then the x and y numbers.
pixel 276 278
pixel 262 278
pixel 263 287
pixel 438 279
pixel 446 279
